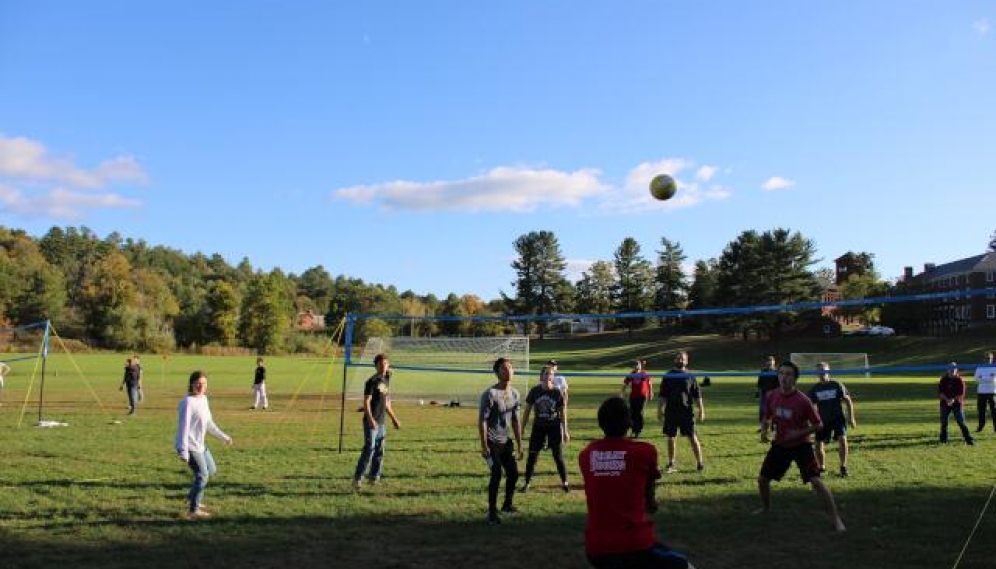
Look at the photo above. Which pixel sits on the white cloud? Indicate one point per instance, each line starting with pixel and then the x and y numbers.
pixel 635 196
pixel 23 158
pixel 775 183
pixel 575 267
pixel 34 183
pixel 519 189
pixel 60 203
pixel 982 26
pixel 705 173
pixel 500 189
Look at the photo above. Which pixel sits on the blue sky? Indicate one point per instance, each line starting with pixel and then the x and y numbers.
pixel 410 143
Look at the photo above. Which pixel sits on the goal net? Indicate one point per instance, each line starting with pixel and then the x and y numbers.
pixel 438 369
pixel 851 364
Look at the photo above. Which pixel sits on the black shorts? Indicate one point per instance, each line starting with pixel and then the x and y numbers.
pixel 675 421
pixel 545 435
pixel 779 459
pixel 832 431
pixel 657 557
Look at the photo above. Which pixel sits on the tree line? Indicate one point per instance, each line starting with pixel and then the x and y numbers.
pixel 119 293
pixel 123 294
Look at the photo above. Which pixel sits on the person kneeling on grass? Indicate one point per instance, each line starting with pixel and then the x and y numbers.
pixel 619 478
pixel 795 419
pixel 195 421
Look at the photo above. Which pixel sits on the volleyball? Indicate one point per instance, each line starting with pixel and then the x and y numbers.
pixel 662 187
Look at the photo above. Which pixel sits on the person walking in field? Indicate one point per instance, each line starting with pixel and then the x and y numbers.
pixel 376 403
pixel 131 383
pixel 498 411
pixel 259 386
pixel 767 381
pixel 641 390
pixel 549 426
pixel 620 475
pixel 795 418
pixel 195 420
pixel 139 374
pixel 951 391
pixel 985 391
pixel 828 395
pixel 678 396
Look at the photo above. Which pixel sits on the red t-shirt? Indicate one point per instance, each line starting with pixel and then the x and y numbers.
pixel 616 471
pixel 790 411
pixel 639 384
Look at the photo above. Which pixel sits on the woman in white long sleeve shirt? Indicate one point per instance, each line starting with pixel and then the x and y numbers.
pixel 194 422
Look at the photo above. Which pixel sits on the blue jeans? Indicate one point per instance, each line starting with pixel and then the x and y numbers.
pixel 959 416
pixel 203 467
pixel 373 451
pixel 132 399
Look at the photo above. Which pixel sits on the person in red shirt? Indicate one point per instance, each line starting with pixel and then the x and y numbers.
pixel 951 390
pixel 795 419
pixel 641 390
pixel 619 478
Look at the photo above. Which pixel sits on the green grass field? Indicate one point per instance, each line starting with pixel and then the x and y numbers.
pixel 99 494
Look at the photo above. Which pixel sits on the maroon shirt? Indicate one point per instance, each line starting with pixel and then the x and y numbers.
pixel 952 387
pixel 790 411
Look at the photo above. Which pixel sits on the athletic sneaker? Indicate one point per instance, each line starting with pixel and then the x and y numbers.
pixel 671 469
pixel 565 487
pixel 509 509
pixel 525 488
pixel 198 515
pixel 700 467
pixel 357 484
pixel 843 472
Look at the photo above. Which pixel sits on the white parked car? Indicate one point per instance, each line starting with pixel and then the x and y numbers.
pixel 880 331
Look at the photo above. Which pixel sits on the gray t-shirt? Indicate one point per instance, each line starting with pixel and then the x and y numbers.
pixel 497 409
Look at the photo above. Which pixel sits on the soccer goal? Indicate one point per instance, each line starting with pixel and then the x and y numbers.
pixel 438 369
pixel 852 364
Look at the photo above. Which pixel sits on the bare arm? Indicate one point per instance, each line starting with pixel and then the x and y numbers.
pixel 482 431
pixel 368 412
pixel 390 413
pixel 850 411
pixel 517 430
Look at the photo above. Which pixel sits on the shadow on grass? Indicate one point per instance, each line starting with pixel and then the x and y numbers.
pixel 886 529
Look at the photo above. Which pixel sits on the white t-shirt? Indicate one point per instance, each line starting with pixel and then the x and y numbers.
pixel 985 375
pixel 194 422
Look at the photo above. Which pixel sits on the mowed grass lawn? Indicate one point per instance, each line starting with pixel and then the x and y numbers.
pixel 100 494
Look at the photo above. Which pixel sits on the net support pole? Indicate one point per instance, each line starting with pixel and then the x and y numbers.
pixel 44 357
pixel 347 357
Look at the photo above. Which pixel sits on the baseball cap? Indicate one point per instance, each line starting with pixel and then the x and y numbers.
pixel 551 362
pixel 952 365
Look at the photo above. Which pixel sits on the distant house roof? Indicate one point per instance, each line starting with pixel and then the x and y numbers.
pixel 986 261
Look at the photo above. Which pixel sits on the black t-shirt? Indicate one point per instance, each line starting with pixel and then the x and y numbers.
pixel 548 404
pixel 679 391
pixel 767 380
pixel 377 388
pixel 131 376
pixel 828 396
pixel 260 375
